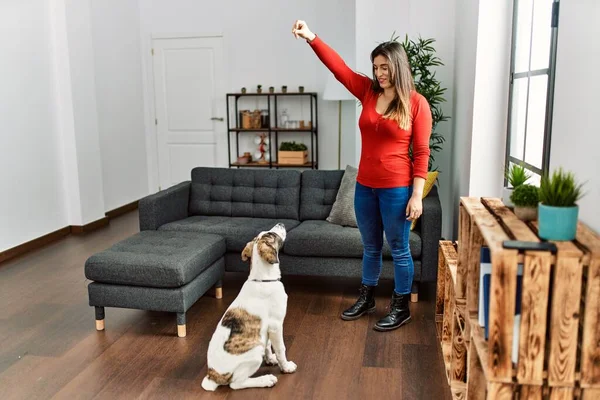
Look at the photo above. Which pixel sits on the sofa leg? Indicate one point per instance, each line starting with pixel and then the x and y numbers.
pixel 219 289
pixel 99 318
pixel 414 293
pixel 181 331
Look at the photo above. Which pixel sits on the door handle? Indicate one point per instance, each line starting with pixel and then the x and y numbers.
pixel 217 119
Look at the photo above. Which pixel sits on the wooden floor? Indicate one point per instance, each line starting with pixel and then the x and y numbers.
pixel 49 347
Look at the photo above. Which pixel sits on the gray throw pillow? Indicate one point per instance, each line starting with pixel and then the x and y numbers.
pixel 342 212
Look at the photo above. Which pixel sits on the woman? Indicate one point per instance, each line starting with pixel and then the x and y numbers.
pixel 389 185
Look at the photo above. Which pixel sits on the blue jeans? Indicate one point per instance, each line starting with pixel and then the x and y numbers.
pixel 378 211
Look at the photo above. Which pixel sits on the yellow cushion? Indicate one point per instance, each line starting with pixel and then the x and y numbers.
pixel 429 182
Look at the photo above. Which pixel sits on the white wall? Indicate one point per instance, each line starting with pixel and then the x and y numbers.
pixel 483 40
pixel 85 115
pixel 575 134
pixel 120 101
pixel 32 201
pixel 335 23
pixel 259 49
pixel 67 88
pixel 466 23
pixel 490 104
pixel 375 23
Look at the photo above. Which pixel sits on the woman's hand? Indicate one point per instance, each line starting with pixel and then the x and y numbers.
pixel 300 29
pixel 414 209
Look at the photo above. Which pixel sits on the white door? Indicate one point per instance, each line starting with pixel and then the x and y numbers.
pixel 189 104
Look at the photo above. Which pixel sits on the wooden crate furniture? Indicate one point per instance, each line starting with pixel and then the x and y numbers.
pixel 450 319
pixel 558 339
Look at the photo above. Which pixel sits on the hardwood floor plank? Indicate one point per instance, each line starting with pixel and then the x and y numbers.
pixel 422 374
pixel 45 376
pixel 380 383
pixel 165 388
pixel 308 352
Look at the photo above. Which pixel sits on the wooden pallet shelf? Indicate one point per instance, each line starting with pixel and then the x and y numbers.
pixel 559 331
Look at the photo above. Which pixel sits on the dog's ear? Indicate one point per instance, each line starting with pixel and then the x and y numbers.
pixel 247 252
pixel 267 251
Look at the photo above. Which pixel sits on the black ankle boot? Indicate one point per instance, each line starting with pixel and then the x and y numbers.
pixel 364 304
pixel 399 313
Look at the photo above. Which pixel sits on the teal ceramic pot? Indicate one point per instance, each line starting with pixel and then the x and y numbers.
pixel 557 223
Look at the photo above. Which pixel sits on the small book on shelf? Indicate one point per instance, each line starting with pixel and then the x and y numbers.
pixel 485 277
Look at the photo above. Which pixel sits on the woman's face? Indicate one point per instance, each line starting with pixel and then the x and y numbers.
pixel 381 69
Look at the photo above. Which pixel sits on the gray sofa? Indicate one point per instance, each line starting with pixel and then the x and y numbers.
pixel 236 204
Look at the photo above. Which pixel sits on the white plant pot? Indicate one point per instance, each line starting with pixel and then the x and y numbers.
pixel 526 213
pixel 506 192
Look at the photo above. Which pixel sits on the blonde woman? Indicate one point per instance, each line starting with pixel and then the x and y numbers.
pixel 389 185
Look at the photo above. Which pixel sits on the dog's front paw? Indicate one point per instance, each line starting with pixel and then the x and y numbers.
pixel 289 367
pixel 270 359
pixel 268 380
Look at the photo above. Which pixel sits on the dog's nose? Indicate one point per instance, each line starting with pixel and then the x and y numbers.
pixel 280 225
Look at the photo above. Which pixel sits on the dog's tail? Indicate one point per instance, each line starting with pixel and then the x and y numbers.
pixel 209 385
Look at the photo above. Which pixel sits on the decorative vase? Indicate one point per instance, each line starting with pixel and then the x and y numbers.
pixel 557 223
pixel 506 192
pixel 526 213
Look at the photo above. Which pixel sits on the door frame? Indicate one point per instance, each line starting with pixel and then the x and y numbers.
pixel 150 105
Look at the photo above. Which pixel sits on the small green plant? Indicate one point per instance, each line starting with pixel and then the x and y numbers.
pixel 292 146
pixel 525 196
pixel 560 190
pixel 517 176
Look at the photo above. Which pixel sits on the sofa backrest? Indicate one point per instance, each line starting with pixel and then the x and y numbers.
pixel 257 193
pixel 319 190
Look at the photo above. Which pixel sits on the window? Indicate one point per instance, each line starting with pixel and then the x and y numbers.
pixel 533 56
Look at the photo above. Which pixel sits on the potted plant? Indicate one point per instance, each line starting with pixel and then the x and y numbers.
pixel 301 89
pixel 258 88
pixel 525 198
pixel 284 89
pixel 517 175
pixel 271 89
pixel 558 211
pixel 292 153
pixel 243 90
pixel 424 62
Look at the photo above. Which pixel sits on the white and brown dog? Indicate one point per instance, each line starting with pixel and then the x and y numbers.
pixel 253 321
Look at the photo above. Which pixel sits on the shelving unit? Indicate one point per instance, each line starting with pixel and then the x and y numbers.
pixel 559 332
pixel 234 128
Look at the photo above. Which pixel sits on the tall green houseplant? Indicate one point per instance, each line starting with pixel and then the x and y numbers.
pixel 422 59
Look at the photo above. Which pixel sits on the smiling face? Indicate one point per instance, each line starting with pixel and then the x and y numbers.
pixel 381 71
pixel 392 74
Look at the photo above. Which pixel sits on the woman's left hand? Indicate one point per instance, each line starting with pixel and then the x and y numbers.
pixel 414 209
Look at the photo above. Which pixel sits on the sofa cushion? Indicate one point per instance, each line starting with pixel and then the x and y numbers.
pixel 237 231
pixel 317 238
pixel 245 193
pixel 156 259
pixel 342 211
pixel 319 190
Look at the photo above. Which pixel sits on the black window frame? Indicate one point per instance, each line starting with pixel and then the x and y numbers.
pixel 528 74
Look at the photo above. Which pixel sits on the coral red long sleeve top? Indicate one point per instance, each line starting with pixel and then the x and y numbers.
pixel 384 160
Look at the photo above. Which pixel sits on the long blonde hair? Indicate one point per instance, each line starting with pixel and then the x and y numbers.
pixel 400 77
